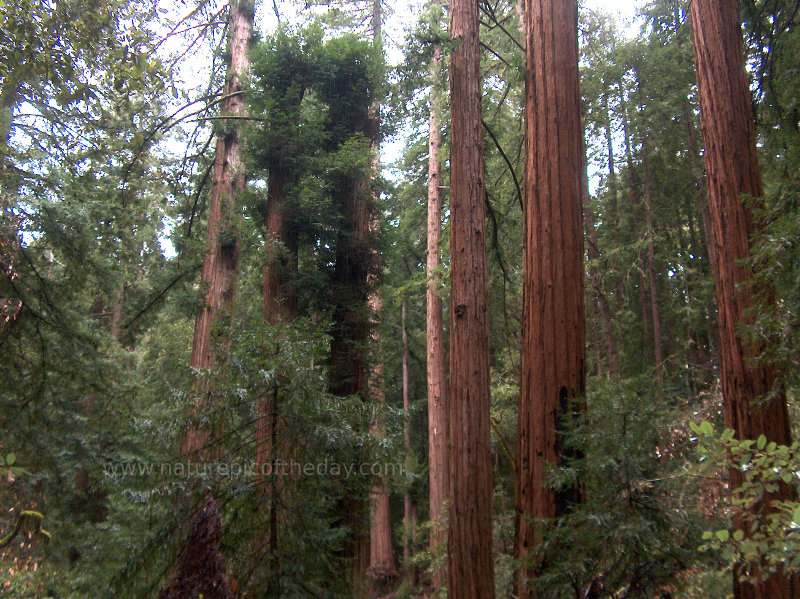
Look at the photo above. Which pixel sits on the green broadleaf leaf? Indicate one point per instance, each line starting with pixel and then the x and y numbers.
pixel 748 548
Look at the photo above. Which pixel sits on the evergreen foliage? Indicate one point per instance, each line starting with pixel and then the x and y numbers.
pixel 105 167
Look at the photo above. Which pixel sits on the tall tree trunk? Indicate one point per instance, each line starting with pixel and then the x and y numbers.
pixel 221 264
pixel 731 171
pixel 470 562
pixel 382 571
pixel 279 305
pixel 700 183
pixel 280 301
pixel 348 369
pixel 612 170
pixel 651 270
pixel 595 276
pixel 436 377
pixel 596 279
pixel 355 273
pixel 613 189
pixel 409 509
pixel 710 331
pixel 200 570
pixel 634 197
pixel 553 335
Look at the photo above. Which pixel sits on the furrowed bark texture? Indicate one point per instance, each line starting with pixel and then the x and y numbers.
pixel 437 379
pixel 553 336
pixel 470 564
pixel 732 170
pixel 221 263
pixel 383 575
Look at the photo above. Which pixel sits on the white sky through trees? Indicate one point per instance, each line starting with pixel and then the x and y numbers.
pixel 400 17
pixel 626 8
pixel 405 14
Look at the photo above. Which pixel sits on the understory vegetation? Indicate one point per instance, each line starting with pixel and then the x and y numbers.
pixel 315 408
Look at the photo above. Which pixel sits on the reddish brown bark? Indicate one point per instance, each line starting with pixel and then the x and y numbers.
pixel 436 377
pixel 280 302
pixel 382 572
pixel 751 407
pixel 553 336
pixel 470 561
pixel 201 568
pixel 221 264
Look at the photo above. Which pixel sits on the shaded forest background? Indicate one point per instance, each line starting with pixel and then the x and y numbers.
pixel 107 173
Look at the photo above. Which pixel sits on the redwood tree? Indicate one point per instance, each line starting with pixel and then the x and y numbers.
pixel 200 571
pixel 470 567
pixel 281 247
pixel 279 305
pixel 348 87
pixel 752 407
pixel 655 311
pixel 221 264
pixel 349 338
pixel 436 378
pixel 382 572
pixel 553 352
pixel 410 514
